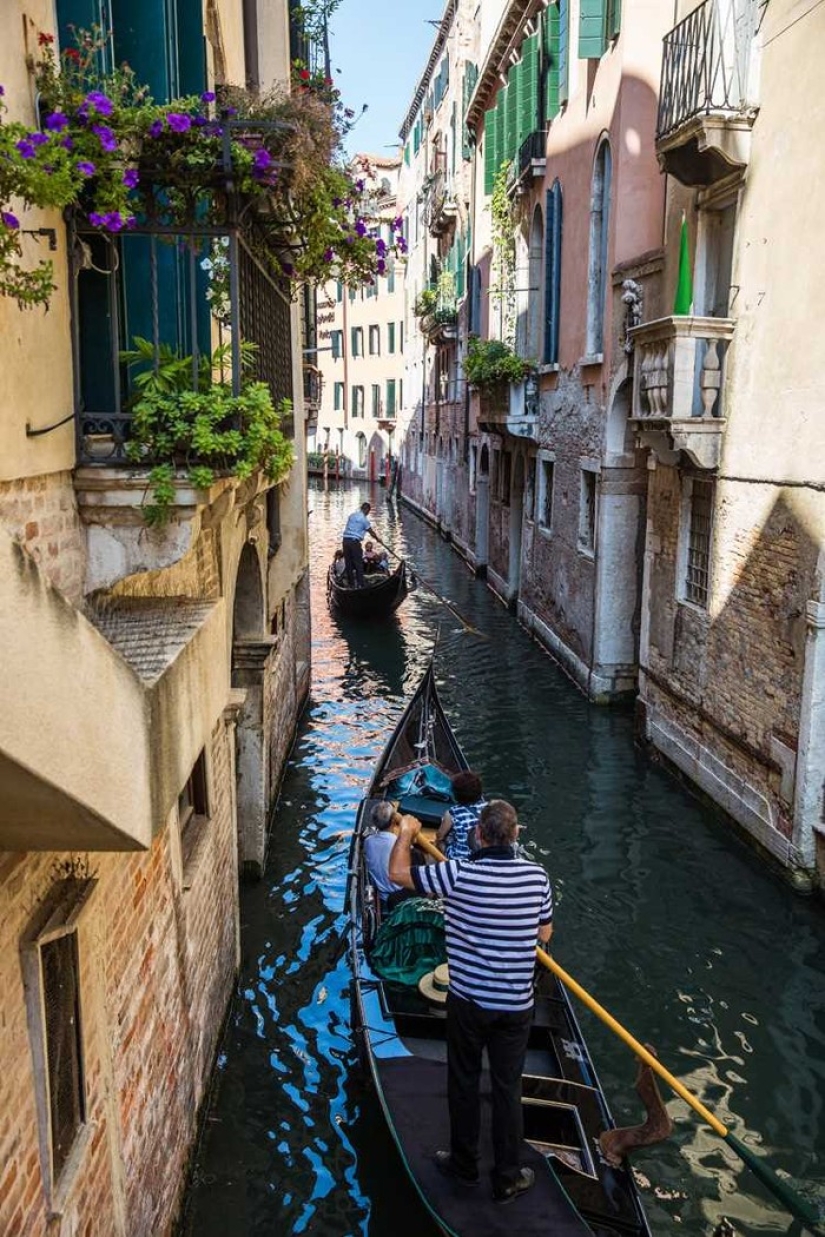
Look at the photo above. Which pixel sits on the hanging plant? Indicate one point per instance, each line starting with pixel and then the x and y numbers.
pixel 492 363
pixel 503 285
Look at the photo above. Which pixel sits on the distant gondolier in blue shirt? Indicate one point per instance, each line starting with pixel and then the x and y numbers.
pixel 357 527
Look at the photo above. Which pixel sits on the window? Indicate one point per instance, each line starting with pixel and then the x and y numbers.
pixel 698 517
pixel 338 396
pixel 336 339
pixel 357 401
pixel 371 290
pixel 587 511
pixel 375 340
pixel 352 294
pixel 376 400
pixel 339 291
pixel 50 958
pixel 391 279
pixel 597 264
pixel 400 393
pixel 599 22
pixel 193 816
pixel 530 489
pixel 361 442
pixel 391 408
pixel 390 337
pixel 357 334
pixel 273 519
pixel 552 275
pixel 547 477
pixel 505 477
pixel 400 336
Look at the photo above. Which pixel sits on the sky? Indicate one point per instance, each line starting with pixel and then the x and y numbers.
pixel 381 48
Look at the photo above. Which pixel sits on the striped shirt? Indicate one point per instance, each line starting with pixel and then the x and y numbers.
pixel 465 818
pixel 494 905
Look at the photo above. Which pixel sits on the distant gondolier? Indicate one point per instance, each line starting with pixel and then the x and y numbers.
pixel 496 905
pixel 355 530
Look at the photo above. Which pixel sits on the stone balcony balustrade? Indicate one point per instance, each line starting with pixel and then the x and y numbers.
pixel 679 386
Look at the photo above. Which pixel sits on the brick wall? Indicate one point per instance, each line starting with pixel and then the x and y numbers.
pixel 41 512
pixel 156 970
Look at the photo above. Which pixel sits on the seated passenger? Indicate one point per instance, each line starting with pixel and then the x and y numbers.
pixel 375 560
pixel 339 567
pixel 456 833
pixel 377 850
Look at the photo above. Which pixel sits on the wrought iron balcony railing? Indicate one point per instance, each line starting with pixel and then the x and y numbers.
pixel 532 155
pixel 183 294
pixel 706 65
pixel 679 383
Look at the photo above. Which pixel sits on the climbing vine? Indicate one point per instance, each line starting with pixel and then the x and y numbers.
pixel 503 285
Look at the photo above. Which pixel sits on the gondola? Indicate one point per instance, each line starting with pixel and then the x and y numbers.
pixel 401 1043
pixel 379 598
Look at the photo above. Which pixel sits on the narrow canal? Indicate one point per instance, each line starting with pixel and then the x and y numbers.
pixel 666 918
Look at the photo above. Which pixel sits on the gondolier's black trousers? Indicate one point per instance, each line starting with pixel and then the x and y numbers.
pixel 354 559
pixel 470 1029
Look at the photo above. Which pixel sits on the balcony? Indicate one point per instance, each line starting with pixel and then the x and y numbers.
pixel 440 207
pixel 530 163
pixel 679 387
pixel 511 409
pixel 707 102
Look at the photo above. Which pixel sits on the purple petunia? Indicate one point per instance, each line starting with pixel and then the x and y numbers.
pixel 380 247
pixel 67 143
pixel 96 220
pixel 114 221
pixel 398 224
pixel 208 96
pixel 381 266
pixel 2 91
pixel 329 254
pixel 10 220
pixel 179 122
pixel 106 137
pixel 230 111
pixel 131 178
pixel 25 147
pixel 101 103
pixel 156 128
pixel 336 202
pixel 359 186
pixel 360 227
pixel 86 168
pixel 57 121
pixel 200 121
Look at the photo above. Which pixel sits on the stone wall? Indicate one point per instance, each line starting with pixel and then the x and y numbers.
pixel 41 512
pixel 157 962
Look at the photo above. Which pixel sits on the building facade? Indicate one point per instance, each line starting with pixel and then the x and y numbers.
pixel 727 402
pixel 360 349
pixel 154 675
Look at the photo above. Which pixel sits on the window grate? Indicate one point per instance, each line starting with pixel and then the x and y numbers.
pixel 61 1002
pixel 698 556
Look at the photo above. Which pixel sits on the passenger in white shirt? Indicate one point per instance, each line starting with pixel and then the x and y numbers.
pixel 356 529
pixel 377 850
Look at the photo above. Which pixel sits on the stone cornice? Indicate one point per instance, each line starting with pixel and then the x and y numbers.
pixel 424 81
pixel 505 40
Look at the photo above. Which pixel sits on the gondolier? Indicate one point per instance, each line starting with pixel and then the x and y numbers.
pixel 496 906
pixel 355 530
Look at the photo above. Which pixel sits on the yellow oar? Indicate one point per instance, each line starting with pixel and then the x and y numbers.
pixel 456 613
pixel 797 1206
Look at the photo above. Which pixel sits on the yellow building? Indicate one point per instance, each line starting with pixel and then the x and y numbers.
pixel 153 676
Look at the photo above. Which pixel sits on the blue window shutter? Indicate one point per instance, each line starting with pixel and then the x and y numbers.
pixel 552 273
pixel 592 29
pixel 564 51
pixel 552 75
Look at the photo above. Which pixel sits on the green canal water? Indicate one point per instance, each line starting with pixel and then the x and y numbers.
pixel 670 921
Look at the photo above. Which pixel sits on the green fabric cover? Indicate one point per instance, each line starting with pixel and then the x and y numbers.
pixel 410 942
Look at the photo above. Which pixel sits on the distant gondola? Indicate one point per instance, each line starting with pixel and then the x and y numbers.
pixel 379 598
pixel 401 1040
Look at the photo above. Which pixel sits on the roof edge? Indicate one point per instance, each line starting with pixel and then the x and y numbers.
pixel 437 48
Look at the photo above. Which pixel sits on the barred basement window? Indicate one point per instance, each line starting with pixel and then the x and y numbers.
pixel 587 511
pixel 697 573
pixel 546 482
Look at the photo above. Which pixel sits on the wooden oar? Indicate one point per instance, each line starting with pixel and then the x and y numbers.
pixel 455 612
pixel 793 1202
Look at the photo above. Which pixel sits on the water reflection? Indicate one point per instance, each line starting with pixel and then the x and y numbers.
pixel 678 929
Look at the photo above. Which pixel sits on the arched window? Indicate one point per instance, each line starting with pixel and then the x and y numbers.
pixel 361 441
pixel 597 265
pixel 533 337
pixel 552 275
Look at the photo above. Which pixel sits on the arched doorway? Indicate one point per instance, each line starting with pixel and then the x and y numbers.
pixel 251 650
pixel 482 509
pixel 516 527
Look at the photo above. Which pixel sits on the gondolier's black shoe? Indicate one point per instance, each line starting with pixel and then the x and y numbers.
pixel 444 1164
pixel 507 1193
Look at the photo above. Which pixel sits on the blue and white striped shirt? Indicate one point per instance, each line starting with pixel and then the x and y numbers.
pixel 464 817
pixel 494 905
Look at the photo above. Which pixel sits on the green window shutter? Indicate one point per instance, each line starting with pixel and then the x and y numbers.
pixel 528 89
pixel 592 27
pixel 564 50
pixel 614 18
pixel 552 101
pixel 407 154
pixel 501 129
pixel 511 114
pixel 490 148
pixel 470 79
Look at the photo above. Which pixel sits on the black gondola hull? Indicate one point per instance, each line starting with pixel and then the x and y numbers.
pixel 378 599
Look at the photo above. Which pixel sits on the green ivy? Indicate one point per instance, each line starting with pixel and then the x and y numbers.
pixel 491 362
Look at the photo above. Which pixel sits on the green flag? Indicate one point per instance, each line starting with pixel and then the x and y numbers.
pixel 683 304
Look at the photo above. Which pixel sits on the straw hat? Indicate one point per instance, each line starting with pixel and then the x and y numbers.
pixel 434 985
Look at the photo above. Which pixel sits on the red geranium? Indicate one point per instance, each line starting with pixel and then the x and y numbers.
pixel 45 39
pixel 305 75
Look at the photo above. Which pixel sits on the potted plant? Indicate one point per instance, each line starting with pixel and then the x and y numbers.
pixel 491 366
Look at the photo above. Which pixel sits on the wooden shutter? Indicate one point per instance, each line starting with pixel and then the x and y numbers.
pixel 592 27
pixel 490 149
pixel 552 274
pixel 511 113
pixel 614 18
pixel 564 50
pixel 528 82
pixel 469 85
pixel 552 101
pixel 501 129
